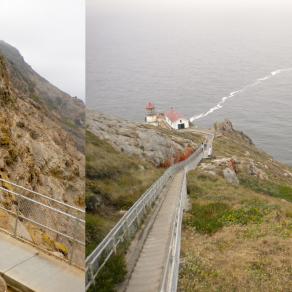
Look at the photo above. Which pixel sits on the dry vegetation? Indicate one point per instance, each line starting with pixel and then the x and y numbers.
pixel 238 238
pixel 114 181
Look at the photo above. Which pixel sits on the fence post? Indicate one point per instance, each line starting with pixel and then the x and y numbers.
pixel 138 219
pixel 73 241
pixel 17 218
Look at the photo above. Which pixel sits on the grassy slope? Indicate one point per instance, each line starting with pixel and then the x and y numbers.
pixel 238 238
pixel 114 182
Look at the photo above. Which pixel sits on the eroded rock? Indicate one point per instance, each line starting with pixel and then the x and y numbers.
pixel 230 176
pixel 138 139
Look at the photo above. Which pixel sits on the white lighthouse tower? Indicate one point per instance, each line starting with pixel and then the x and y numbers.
pixel 151 116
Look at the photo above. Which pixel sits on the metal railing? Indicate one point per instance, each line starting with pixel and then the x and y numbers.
pixel 48 224
pixel 126 227
pixel 171 266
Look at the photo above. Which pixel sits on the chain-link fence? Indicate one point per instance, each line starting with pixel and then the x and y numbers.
pixel 49 224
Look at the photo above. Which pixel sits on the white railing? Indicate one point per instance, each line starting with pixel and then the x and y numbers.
pixel 48 224
pixel 126 227
pixel 171 266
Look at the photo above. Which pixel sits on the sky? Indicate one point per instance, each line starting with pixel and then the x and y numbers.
pixel 174 5
pixel 50 35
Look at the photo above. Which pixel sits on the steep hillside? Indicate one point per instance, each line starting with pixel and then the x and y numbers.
pixel 237 231
pixel 122 160
pixel 35 152
pixel 67 110
pixel 34 148
pixel 114 181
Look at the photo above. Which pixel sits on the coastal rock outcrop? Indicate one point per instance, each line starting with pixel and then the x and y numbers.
pixel 160 146
pixel 238 160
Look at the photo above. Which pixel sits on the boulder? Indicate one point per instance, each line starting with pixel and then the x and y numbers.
pixel 230 176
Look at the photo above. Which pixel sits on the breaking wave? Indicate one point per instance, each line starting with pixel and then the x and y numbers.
pixel 233 93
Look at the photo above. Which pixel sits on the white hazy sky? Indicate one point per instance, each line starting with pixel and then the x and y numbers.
pixel 50 34
pixel 168 5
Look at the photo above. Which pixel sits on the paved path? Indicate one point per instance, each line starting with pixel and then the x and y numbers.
pixel 148 272
pixel 35 270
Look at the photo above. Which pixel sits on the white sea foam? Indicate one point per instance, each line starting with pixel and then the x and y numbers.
pixel 233 93
pixel 264 78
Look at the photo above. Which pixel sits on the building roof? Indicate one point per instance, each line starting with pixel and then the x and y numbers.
pixel 173 115
pixel 150 105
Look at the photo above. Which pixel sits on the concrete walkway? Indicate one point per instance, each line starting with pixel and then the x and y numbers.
pixel 148 272
pixel 32 270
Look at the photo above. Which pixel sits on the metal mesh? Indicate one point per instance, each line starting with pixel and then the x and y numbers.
pixel 49 224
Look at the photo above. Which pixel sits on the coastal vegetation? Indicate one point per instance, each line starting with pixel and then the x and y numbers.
pixel 122 160
pixel 237 230
pixel 114 181
pixel 237 237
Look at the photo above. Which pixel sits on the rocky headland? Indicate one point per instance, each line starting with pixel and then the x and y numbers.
pixel 237 230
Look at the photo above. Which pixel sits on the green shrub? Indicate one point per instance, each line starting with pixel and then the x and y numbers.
pixel 112 274
pixel 244 216
pixel 96 228
pixel 206 218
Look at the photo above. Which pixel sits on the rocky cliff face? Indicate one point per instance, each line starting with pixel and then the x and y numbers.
pixel 38 151
pixel 160 146
pixel 68 111
pixel 35 150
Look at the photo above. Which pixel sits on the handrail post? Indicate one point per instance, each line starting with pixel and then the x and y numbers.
pixel 73 241
pixel 17 218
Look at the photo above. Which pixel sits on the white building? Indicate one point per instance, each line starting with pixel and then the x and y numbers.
pixel 151 116
pixel 175 120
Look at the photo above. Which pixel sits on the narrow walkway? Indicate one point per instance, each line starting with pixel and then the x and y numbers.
pixel 148 272
pixel 35 270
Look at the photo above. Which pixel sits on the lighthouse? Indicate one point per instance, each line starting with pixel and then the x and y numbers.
pixel 151 116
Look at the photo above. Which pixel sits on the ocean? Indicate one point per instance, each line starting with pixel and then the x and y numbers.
pixel 209 63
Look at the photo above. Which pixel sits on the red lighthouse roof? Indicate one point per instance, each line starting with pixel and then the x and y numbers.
pixel 150 106
pixel 173 115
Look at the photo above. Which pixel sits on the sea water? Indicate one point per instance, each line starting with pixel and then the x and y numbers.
pixel 210 63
